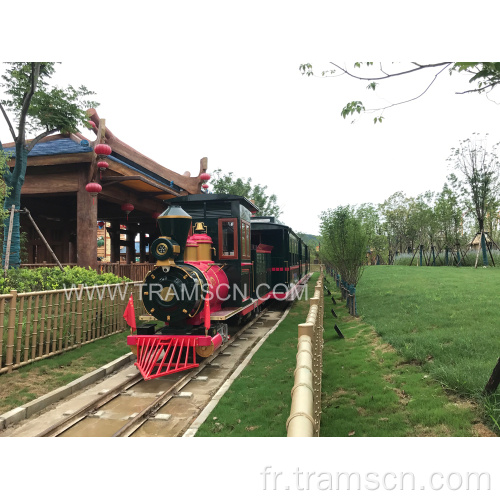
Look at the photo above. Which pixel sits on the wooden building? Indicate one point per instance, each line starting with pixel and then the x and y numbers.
pixel 54 191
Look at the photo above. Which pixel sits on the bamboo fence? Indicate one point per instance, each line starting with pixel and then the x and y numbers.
pixel 305 413
pixel 38 325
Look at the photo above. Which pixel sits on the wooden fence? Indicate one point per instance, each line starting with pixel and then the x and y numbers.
pixel 37 325
pixel 135 272
pixel 305 413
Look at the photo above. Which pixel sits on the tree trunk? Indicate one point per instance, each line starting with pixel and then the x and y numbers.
pixel 483 248
pixel 15 182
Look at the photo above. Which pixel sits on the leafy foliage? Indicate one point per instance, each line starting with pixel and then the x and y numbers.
pixel 50 108
pixel 226 184
pixel 344 242
pixel 37 108
pixel 52 278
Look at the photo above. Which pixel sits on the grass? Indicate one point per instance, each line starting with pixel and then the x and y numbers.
pixel 443 319
pixel 368 389
pixel 264 385
pixel 36 379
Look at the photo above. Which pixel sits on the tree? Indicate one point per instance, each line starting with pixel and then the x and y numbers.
pixel 344 242
pixel 376 239
pixel 485 76
pixel 477 180
pixel 37 109
pixel 227 184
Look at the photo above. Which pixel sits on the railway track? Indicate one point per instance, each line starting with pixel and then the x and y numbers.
pixel 165 406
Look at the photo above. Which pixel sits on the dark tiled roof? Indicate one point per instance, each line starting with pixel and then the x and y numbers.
pixel 57 147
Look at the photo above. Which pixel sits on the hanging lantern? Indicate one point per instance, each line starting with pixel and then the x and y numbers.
pixel 205 186
pixel 94 189
pixel 100 224
pixel 127 208
pixel 92 124
pixel 102 150
pixel 102 166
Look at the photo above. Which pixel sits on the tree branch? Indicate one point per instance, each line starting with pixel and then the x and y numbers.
pixel 414 98
pixel 35 73
pixel 11 128
pixel 491 85
pixel 418 68
pixel 38 138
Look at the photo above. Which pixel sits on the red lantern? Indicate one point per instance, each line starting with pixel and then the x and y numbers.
pixel 100 224
pixel 102 166
pixel 92 124
pixel 127 208
pixel 205 186
pixel 94 189
pixel 205 177
pixel 102 150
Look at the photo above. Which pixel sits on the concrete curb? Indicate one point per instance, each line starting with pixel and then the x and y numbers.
pixel 17 414
pixel 191 432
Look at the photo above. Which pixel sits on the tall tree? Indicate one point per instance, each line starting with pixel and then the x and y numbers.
pixel 38 109
pixel 484 77
pixel 477 179
pixel 225 183
pixel 344 242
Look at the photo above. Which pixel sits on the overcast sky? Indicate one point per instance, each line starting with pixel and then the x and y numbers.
pixel 193 83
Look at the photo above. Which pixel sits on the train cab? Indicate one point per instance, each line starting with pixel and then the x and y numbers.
pixel 225 219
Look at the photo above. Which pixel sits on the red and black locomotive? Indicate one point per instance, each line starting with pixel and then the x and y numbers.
pixel 215 263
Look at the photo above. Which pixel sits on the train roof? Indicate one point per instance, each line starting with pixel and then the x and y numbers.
pixel 214 197
pixel 264 223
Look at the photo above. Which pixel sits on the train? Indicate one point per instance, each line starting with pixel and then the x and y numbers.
pixel 217 263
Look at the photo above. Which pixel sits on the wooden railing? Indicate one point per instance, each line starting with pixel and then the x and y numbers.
pixel 37 325
pixel 305 413
pixel 135 272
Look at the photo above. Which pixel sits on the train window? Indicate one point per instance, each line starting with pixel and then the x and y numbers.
pixel 245 240
pixel 228 242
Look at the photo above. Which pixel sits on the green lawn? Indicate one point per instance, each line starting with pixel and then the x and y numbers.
pixel 447 320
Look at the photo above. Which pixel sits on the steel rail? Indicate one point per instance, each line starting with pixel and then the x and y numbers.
pixel 64 424
pixel 134 423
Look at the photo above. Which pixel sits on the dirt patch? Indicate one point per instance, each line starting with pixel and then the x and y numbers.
pixel 480 430
pixel 404 397
pixel 437 431
pixel 361 411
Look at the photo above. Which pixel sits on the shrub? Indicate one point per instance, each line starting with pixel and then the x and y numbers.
pixel 52 278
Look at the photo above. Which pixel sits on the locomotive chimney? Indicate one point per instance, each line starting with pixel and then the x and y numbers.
pixel 174 223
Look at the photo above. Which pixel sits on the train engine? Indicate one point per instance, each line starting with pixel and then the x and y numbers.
pixel 182 290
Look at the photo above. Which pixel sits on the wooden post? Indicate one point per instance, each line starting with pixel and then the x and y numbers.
pixel 27 212
pixel 10 331
pixel 86 225
pixel 9 239
pixel 79 309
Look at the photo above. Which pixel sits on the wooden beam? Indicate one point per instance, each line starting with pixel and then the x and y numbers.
pixel 191 184
pixel 63 182
pixel 117 195
pixel 34 161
